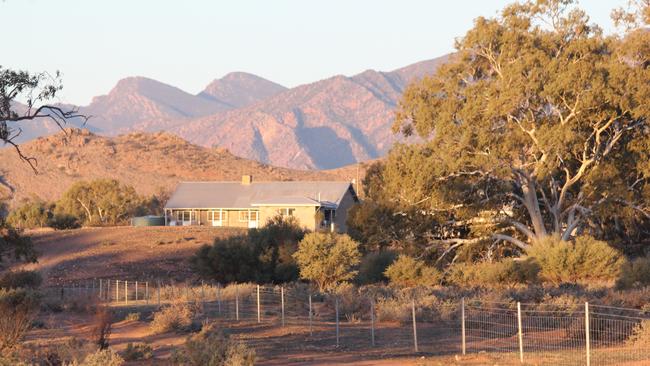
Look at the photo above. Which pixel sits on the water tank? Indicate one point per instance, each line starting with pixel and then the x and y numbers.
pixel 148 221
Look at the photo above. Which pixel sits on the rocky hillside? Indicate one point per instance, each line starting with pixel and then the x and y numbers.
pixel 149 162
pixel 323 125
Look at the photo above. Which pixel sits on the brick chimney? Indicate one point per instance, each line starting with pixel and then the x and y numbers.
pixel 246 180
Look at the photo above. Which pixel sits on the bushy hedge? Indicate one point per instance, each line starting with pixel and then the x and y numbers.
pixel 261 255
pixel 409 272
pixel 585 259
pixel 373 265
pixel 503 273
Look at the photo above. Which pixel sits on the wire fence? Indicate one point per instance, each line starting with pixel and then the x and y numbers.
pixel 543 334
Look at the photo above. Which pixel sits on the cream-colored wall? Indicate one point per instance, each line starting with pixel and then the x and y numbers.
pixel 306 215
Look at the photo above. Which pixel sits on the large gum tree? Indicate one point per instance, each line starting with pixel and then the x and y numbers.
pixel 536 127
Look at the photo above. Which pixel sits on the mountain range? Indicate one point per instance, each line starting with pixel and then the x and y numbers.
pixel 323 125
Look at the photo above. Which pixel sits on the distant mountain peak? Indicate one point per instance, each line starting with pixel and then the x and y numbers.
pixel 240 89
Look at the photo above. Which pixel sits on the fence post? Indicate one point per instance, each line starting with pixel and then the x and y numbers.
pixel 415 329
pixel 219 299
pixel 237 302
pixel 462 325
pixel 146 292
pixel 372 322
pixel 126 292
pixel 259 317
pixel 336 307
pixel 100 289
pixel 311 333
pixel 282 298
pixel 136 291
pixel 117 290
pixel 521 336
pixel 587 336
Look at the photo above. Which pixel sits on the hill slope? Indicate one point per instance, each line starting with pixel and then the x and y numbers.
pixel 149 162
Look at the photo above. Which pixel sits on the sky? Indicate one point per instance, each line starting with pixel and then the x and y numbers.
pixel 188 43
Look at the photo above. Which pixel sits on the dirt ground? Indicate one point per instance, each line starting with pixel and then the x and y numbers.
pixel 126 253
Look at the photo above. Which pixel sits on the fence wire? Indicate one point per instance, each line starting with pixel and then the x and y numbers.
pixel 541 334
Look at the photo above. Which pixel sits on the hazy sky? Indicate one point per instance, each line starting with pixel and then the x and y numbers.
pixel 188 43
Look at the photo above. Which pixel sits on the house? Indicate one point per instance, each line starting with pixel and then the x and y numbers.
pixel 248 204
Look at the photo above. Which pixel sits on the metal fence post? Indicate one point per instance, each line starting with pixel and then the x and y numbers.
pixel 521 337
pixel 336 307
pixel 462 325
pixel 237 302
pixel 126 292
pixel 415 329
pixel 282 298
pixel 117 290
pixel 136 291
pixel 372 322
pixel 101 288
pixel 146 292
pixel 311 333
pixel 587 335
pixel 259 315
pixel 219 299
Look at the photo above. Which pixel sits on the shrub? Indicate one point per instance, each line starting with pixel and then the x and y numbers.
pixel 21 278
pixel 18 308
pixel 212 348
pixel 504 273
pixel 228 260
pixel 63 221
pixel 32 213
pixel 132 317
pixel 409 272
pixel 138 351
pixel 352 304
pixel 635 273
pixel 106 357
pixel 585 259
pixel 373 266
pixel 176 317
pixel 640 337
pixel 327 258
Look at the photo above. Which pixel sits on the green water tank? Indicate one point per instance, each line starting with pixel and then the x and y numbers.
pixel 148 221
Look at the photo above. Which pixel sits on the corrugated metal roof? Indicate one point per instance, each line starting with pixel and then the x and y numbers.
pixel 236 195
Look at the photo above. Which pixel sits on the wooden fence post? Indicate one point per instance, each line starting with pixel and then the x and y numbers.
pixel 372 322
pixel 521 337
pixel 587 335
pixel 415 328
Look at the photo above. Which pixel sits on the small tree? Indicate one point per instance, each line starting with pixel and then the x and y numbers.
pixel 327 259
pixel 31 213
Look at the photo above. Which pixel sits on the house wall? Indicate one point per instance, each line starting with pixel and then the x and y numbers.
pixel 306 215
pixel 342 212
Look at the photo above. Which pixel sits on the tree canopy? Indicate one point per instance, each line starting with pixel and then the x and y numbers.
pixel 536 126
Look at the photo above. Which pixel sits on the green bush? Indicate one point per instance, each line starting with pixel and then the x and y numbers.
pixel 262 255
pixel 635 273
pixel 409 272
pixel 21 278
pixel 373 265
pixel 212 348
pixel 63 221
pixel 32 213
pixel 138 351
pixel 176 317
pixel 18 309
pixel 106 357
pixel 585 259
pixel 504 273
pixel 327 259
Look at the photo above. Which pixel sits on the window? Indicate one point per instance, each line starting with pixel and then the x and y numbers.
pixel 243 215
pixel 286 211
pixel 217 215
pixel 183 215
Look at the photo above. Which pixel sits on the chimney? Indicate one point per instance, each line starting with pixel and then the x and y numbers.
pixel 246 180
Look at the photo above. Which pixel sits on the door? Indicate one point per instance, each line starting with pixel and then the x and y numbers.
pixel 216 217
pixel 253 219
